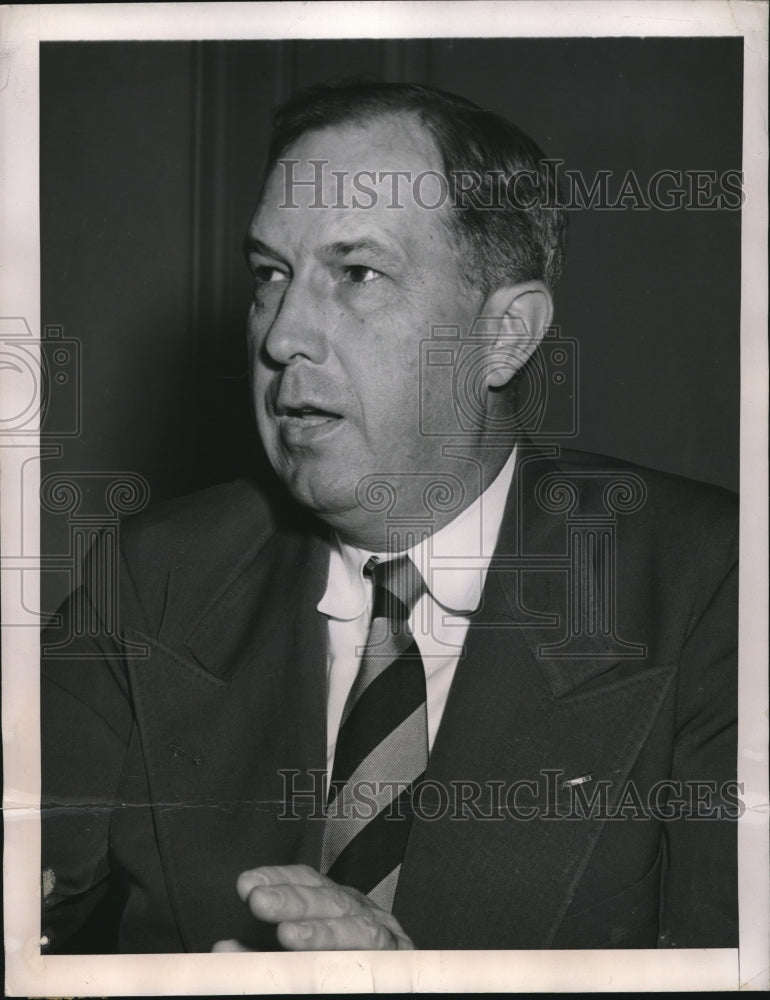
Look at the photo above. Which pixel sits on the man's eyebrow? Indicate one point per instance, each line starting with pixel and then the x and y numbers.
pixel 339 248
pixel 366 244
pixel 252 244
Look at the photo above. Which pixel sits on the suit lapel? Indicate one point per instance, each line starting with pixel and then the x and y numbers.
pixel 230 720
pixel 247 682
pixel 480 874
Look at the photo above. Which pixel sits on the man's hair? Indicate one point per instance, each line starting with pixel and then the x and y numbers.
pixel 520 238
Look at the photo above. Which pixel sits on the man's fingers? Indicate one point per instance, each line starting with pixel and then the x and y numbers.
pixel 229 945
pixel 302 902
pixel 313 913
pixel 354 933
pixel 269 875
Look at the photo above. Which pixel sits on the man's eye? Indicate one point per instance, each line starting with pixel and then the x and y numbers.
pixel 266 274
pixel 358 274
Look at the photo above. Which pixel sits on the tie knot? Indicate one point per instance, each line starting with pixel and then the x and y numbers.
pixel 398 586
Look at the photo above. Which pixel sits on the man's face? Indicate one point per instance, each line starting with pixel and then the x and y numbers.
pixel 343 297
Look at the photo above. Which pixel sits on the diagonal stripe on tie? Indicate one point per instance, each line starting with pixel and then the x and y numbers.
pixel 382 740
pixel 382 842
pixel 366 793
pixel 384 891
pixel 379 652
pixel 382 715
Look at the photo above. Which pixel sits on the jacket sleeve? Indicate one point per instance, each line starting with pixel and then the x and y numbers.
pixel 86 722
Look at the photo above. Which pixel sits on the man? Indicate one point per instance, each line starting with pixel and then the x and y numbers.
pixel 457 689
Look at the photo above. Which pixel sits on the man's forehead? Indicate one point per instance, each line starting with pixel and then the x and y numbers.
pixel 397 136
pixel 346 160
pixel 349 177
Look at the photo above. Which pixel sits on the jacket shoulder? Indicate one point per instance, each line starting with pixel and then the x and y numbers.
pixel 681 496
pixel 668 514
pixel 221 518
pixel 191 545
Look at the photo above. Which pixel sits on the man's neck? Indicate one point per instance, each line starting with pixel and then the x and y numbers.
pixel 407 518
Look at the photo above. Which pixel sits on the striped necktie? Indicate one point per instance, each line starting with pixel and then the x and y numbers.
pixel 382 745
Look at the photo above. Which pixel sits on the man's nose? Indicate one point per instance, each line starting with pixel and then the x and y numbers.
pixel 298 329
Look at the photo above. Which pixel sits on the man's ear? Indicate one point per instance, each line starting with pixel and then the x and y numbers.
pixel 516 317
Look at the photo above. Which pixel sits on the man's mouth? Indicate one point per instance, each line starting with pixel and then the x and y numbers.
pixel 305 422
pixel 307 416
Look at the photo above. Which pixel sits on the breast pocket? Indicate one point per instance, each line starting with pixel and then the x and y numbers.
pixel 628 919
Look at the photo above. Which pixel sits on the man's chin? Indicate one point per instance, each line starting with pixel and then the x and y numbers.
pixel 339 509
pixel 328 500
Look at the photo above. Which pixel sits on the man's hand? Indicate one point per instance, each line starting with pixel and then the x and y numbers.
pixel 315 914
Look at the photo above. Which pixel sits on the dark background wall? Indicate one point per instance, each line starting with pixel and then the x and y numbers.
pixel 150 160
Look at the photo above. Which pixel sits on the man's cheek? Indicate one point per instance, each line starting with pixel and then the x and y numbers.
pixel 267 428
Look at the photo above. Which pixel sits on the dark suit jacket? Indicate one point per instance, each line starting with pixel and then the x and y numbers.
pixel 604 650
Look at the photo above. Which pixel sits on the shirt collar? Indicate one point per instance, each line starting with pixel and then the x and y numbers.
pixel 453 561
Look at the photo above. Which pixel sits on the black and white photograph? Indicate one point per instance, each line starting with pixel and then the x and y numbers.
pixel 384 508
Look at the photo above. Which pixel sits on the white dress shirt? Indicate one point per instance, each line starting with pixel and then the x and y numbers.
pixel 454 563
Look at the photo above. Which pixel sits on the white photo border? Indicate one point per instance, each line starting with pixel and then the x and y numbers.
pixel 28 973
